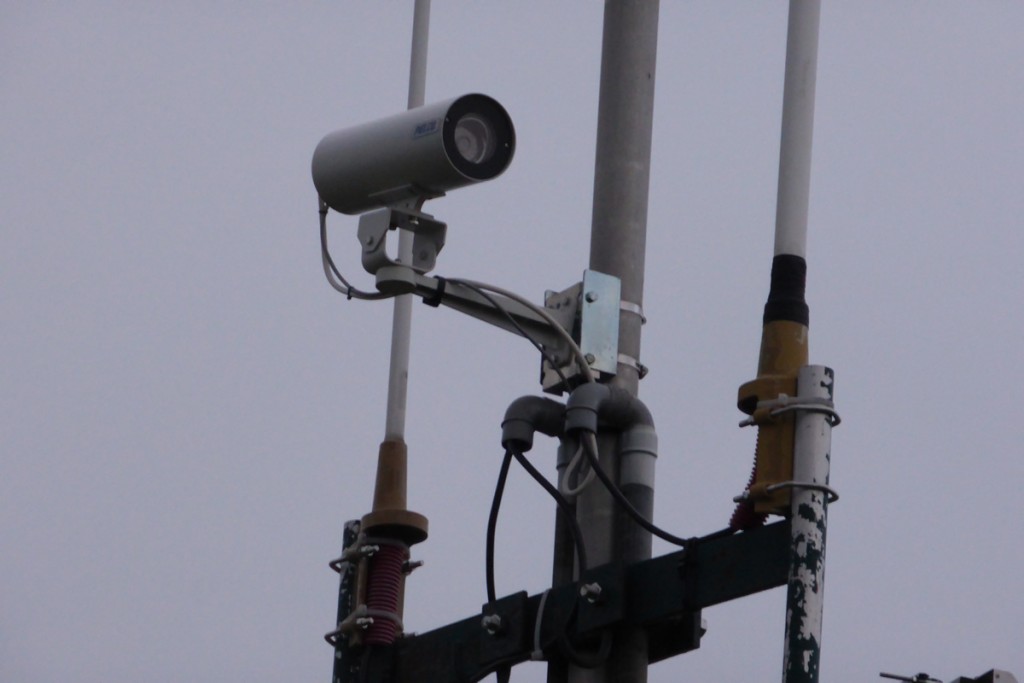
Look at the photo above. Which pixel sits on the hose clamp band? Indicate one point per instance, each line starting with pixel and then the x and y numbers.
pixel 640 368
pixel 635 309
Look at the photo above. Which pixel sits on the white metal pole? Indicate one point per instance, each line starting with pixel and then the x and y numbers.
pixel 401 321
pixel 797 128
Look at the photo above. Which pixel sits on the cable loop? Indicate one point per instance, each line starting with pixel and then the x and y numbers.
pixel 331 271
pixel 574 464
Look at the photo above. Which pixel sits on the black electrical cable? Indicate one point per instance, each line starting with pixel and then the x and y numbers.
pixel 519 328
pixel 564 506
pixel 492 520
pixel 492 525
pixel 627 506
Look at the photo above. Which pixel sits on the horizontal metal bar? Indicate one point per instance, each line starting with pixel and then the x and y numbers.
pixel 664 595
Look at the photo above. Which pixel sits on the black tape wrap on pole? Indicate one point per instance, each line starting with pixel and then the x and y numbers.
pixel 786 297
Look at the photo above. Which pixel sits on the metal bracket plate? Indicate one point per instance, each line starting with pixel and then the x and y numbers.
pixel 590 311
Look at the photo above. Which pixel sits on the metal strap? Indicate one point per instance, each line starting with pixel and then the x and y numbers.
pixel 786 404
pixel 640 368
pixel 833 495
pixel 635 309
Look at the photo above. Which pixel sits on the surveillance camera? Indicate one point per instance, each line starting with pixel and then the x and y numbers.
pixel 418 154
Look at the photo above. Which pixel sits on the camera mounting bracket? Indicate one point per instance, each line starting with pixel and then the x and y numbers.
pixel 428 240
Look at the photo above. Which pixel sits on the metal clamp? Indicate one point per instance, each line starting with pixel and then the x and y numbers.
pixel 640 368
pixel 361 618
pixel 635 309
pixel 364 546
pixel 832 494
pixel 787 404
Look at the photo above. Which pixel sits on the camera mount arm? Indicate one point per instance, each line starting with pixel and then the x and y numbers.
pixel 586 315
pixel 495 309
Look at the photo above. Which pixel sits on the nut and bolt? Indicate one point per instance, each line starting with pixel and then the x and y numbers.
pixel 491 624
pixel 590 358
pixel 591 297
pixel 591 591
pixel 364 622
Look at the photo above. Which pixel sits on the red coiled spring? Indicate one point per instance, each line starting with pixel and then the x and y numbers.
pixel 744 517
pixel 382 592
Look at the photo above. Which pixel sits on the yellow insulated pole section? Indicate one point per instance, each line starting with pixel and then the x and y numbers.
pixel 784 331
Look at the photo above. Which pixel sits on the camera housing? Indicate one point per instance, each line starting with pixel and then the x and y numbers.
pixel 418 154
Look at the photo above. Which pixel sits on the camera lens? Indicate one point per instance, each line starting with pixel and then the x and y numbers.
pixel 475 139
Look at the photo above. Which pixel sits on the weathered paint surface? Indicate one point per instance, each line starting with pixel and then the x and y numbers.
pixel 806 589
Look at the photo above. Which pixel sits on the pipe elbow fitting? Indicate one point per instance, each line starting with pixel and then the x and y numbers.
pixel 581 410
pixel 592 403
pixel 529 414
pixel 624 410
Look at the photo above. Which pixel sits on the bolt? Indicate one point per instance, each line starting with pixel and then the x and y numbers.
pixel 368 550
pixel 364 622
pixel 491 624
pixel 591 591
pixel 591 297
pixel 590 358
pixel 369 241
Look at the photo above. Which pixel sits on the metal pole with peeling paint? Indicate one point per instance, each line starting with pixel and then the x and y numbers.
pixel 806 587
pixel 812 428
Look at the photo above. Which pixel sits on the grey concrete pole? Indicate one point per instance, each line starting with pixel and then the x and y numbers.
pixel 617 247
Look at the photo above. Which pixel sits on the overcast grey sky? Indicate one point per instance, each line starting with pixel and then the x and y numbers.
pixel 189 412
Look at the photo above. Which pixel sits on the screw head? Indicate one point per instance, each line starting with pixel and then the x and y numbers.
pixel 591 297
pixel 590 358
